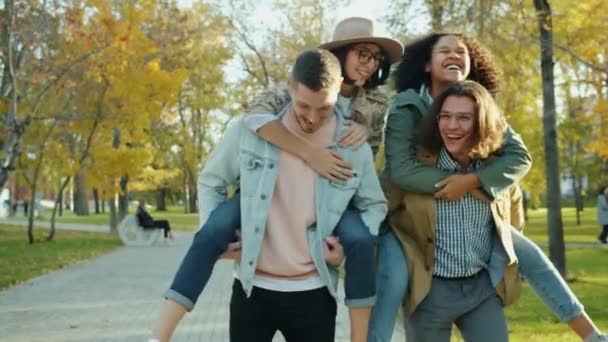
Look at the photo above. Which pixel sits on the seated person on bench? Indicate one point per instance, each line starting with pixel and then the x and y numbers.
pixel 147 222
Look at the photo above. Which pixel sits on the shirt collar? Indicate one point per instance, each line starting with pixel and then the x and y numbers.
pixel 445 162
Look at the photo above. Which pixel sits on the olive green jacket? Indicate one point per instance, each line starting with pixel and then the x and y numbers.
pixel 412 217
pixel 406 110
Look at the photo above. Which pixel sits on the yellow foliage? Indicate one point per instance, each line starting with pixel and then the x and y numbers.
pixel 153 65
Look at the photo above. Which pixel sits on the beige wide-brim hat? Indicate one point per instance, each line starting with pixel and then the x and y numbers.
pixel 361 30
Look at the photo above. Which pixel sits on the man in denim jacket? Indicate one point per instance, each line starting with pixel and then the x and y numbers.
pixel 288 213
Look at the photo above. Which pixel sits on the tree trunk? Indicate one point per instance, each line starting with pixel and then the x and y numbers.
pixel 436 11
pixel 15 128
pixel 192 208
pixel 96 200
pixel 60 196
pixel 186 196
pixel 123 198
pixel 161 204
pixel 58 203
pixel 554 217
pixel 81 202
pixel 30 212
pixel 581 198
pixel 576 189
pixel 113 216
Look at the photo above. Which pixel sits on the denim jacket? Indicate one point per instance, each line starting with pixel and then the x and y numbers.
pixel 243 155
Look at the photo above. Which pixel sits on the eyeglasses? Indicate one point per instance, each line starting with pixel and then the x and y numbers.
pixel 461 118
pixel 365 56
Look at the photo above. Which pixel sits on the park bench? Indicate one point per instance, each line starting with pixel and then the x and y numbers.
pixel 132 234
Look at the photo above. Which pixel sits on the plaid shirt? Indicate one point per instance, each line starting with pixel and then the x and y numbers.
pixel 463 237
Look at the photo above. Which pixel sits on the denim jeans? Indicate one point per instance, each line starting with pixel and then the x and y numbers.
pixel 471 304
pixel 360 264
pixel 544 279
pixel 391 287
pixel 220 229
pixel 207 246
pixel 534 265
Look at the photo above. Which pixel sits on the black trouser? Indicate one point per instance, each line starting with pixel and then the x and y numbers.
pixel 603 233
pixel 160 224
pixel 300 316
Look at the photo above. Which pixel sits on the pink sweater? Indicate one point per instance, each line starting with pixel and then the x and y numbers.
pixel 284 252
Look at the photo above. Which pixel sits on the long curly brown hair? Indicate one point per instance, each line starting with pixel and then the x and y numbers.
pixel 490 124
pixel 410 73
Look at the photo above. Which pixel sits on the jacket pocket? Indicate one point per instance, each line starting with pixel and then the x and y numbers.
pixel 340 194
pixel 350 185
pixel 252 167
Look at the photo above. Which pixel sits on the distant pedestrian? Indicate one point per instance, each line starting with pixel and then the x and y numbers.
pixel 147 222
pixel 602 215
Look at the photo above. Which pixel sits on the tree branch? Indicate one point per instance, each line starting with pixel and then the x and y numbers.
pixel 253 48
pixel 592 66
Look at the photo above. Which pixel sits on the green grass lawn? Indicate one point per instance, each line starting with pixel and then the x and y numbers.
pixel 529 320
pixel 587 231
pixel 176 216
pixel 20 261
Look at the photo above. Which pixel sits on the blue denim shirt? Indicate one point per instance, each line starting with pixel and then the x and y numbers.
pixel 241 154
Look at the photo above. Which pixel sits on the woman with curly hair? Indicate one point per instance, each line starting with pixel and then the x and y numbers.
pixel 428 67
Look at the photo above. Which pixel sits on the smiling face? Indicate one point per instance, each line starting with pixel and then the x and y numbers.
pixel 450 61
pixel 457 120
pixel 312 108
pixel 361 72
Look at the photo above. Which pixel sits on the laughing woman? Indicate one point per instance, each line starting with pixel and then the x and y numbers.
pixel 428 67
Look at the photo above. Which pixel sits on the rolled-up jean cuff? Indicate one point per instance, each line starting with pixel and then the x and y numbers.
pixel 571 314
pixel 360 302
pixel 180 299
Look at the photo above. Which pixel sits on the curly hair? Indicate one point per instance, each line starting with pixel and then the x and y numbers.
pixel 490 124
pixel 410 73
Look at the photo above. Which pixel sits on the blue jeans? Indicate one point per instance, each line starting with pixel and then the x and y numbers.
pixel 544 279
pixel 360 264
pixel 220 229
pixel 534 265
pixel 392 279
pixel 471 304
pixel 207 246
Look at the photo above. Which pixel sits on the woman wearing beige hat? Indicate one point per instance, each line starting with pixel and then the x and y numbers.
pixel 365 58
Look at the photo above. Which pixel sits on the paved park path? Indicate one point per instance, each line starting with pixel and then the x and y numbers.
pixel 117 297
